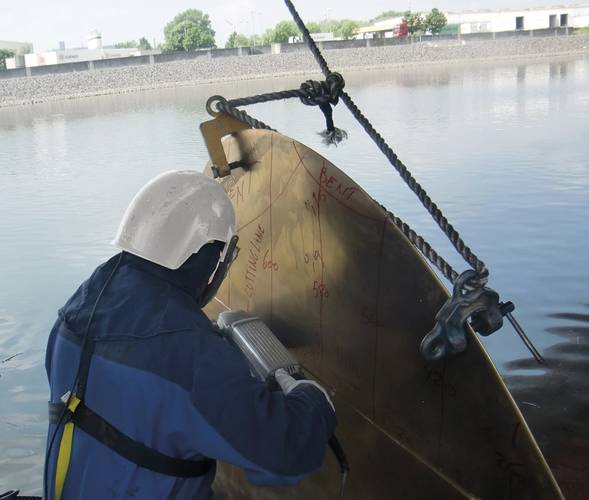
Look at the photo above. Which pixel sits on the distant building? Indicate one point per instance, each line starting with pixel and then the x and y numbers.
pixel 76 55
pixel 18 61
pixel 324 37
pixel 317 37
pixel 520 19
pixel 387 28
pixel 94 40
pixel 20 49
pixel 493 21
pixel 93 52
pixel 17 47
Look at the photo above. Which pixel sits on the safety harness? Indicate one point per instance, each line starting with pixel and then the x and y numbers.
pixel 73 411
pixel 82 417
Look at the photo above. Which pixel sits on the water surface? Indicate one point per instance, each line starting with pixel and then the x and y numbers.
pixel 501 147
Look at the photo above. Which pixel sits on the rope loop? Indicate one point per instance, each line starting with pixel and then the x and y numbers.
pixel 213 104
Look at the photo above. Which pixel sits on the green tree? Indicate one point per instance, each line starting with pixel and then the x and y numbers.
pixel 415 22
pixel 435 21
pixel 129 44
pixel 267 37
pixel 283 31
pixel 346 29
pixel 189 30
pixel 256 40
pixel 144 44
pixel 329 25
pixel 314 27
pixel 5 54
pixel 237 40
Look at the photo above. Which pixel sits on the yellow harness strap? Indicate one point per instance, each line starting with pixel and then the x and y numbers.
pixel 65 449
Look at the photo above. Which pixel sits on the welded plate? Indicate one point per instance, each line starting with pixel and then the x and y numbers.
pixel 322 264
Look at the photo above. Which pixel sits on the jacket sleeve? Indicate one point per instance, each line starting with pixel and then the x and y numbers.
pixel 276 439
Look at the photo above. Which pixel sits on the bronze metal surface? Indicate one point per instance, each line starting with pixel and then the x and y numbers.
pixel 323 265
pixel 214 131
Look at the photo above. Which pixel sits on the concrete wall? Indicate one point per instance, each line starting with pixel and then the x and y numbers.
pixel 55 87
pixel 120 62
pixel 52 69
pixel 343 44
pixel 180 56
pixel 260 49
pixel 13 73
pixel 283 48
pixel 480 36
pixel 225 52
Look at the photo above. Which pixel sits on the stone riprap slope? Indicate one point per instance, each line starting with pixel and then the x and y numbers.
pixel 19 91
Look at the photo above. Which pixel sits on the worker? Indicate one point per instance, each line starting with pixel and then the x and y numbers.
pixel 146 394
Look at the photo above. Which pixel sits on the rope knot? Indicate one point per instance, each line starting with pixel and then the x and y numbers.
pixel 336 84
pixel 322 93
pixel 325 95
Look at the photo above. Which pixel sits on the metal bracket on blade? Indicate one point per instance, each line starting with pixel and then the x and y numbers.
pixel 449 335
pixel 213 132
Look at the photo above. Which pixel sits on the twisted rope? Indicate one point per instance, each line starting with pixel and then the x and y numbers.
pixel 218 104
pixel 424 247
pixel 394 160
pixel 221 105
pixel 311 93
pixel 327 94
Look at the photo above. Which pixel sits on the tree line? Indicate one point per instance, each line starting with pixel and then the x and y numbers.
pixel 192 29
pixel 141 44
pixel 419 23
pixel 189 30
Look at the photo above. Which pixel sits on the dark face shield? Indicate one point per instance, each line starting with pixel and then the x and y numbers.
pixel 221 272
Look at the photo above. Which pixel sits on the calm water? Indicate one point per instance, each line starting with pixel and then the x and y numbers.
pixel 503 148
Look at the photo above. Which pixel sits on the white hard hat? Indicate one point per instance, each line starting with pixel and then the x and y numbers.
pixel 173 216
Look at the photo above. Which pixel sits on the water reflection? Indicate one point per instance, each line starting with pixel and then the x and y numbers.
pixel 521 73
pixel 559 70
pixel 556 405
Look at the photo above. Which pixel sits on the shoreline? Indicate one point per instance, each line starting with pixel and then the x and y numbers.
pixel 27 91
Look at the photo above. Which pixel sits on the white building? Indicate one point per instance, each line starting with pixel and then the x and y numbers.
pixel 94 52
pixel 94 40
pixel 19 48
pixel 522 19
pixel 324 37
pixel 381 29
pixel 76 55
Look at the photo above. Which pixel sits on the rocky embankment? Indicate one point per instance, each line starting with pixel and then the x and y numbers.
pixel 20 91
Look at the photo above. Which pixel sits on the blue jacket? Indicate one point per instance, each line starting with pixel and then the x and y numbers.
pixel 164 376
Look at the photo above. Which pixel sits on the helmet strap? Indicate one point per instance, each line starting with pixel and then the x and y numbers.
pixel 230 254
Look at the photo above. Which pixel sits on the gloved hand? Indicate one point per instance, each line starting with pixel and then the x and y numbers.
pixel 288 383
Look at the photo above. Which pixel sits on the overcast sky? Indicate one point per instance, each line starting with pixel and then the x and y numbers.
pixel 45 22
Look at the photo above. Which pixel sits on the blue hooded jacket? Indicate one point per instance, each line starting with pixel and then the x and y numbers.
pixel 165 377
